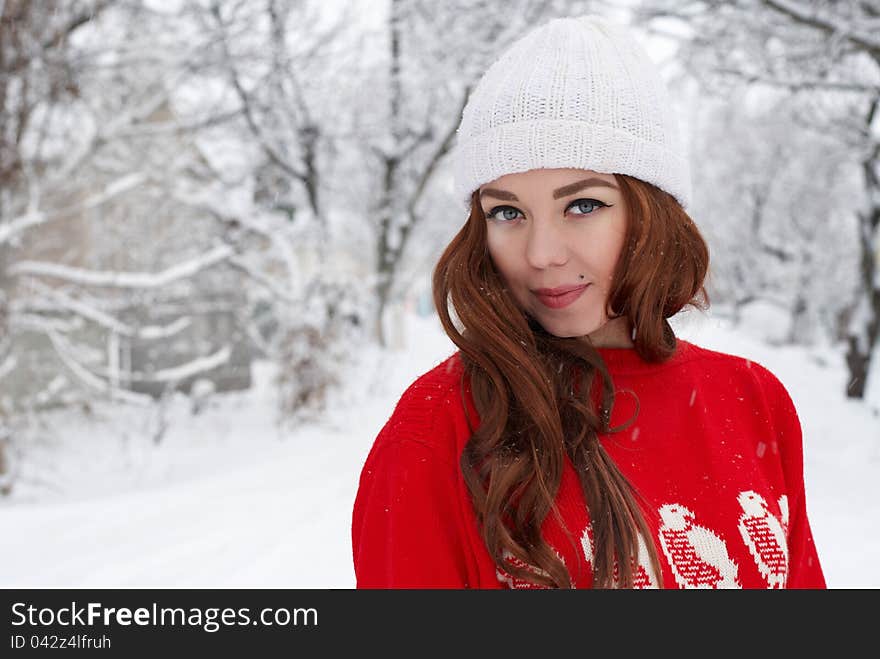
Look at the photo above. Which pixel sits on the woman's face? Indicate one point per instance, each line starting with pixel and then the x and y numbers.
pixel 557 228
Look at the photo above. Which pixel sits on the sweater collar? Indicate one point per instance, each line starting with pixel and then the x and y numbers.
pixel 627 360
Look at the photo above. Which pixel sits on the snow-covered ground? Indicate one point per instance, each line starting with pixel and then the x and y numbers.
pixel 229 499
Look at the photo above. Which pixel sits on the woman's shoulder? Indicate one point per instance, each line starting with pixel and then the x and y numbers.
pixel 428 410
pixel 739 369
pixel 732 361
pixel 444 375
pixel 434 386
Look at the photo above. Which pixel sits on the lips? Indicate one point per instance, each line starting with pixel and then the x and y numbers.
pixel 562 296
pixel 559 290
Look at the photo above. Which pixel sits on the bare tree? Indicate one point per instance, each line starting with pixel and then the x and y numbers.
pixel 827 54
pixel 773 199
pixel 82 93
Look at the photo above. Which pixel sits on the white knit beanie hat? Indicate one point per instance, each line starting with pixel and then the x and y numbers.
pixel 575 92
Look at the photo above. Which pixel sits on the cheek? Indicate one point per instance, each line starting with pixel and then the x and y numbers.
pixel 610 263
pixel 608 257
pixel 502 257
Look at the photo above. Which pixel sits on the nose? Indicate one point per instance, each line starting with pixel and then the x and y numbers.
pixel 546 246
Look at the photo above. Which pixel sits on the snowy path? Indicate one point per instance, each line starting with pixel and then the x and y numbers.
pixel 262 525
pixel 225 501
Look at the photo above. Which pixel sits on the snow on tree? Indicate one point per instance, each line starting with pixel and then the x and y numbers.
pixel 95 250
pixel 774 201
pixel 826 55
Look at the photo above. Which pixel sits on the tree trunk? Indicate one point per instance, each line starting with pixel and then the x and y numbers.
pixel 388 206
pixel 865 323
pixel 799 329
pixel 382 291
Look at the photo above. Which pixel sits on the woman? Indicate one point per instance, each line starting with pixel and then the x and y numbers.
pixel 573 441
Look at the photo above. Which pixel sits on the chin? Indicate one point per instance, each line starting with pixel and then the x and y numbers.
pixel 568 332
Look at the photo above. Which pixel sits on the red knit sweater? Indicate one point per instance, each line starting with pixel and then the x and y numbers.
pixel 716 452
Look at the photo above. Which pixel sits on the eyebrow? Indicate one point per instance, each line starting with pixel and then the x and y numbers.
pixel 564 191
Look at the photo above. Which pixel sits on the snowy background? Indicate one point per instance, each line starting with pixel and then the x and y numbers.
pixel 218 220
pixel 229 500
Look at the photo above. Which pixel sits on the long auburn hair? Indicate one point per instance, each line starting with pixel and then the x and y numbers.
pixel 531 389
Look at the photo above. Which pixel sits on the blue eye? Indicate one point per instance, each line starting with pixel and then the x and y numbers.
pixel 507 209
pixel 586 203
pixel 585 206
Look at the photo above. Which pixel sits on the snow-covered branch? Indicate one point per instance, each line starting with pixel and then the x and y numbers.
pixel 34 218
pixel 193 367
pixel 123 279
pixel 267 145
pixel 106 320
pixel 85 310
pixel 263 280
pixel 800 84
pixel 827 22
pixel 275 234
pixel 174 127
pixel 62 349
pixel 168 375
pixel 164 331
pixel 42 324
pixel 8 365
